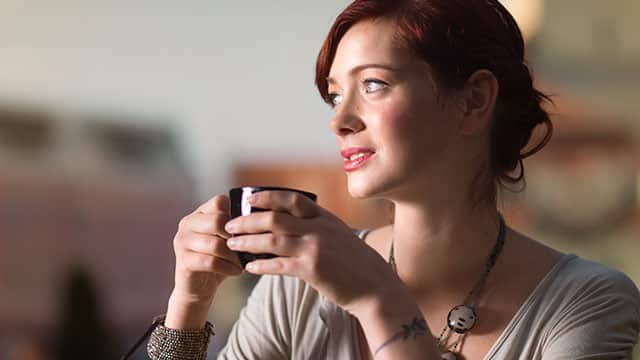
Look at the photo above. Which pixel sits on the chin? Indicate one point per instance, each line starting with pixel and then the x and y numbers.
pixel 357 193
pixel 359 188
pixel 367 186
pixel 362 187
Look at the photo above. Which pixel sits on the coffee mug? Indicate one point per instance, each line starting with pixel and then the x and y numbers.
pixel 240 206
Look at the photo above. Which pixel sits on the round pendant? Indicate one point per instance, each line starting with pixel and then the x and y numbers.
pixel 461 319
pixel 448 356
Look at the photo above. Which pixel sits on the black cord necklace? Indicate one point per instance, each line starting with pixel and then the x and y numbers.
pixel 462 318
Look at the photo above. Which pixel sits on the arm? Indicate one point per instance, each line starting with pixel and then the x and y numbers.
pixel 183 314
pixel 203 262
pixel 395 328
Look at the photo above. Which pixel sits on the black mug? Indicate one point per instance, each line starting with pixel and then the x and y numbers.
pixel 240 206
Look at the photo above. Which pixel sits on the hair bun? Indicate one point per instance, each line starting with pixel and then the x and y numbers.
pixel 519 111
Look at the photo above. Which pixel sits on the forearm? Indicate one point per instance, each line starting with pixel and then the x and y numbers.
pixel 395 329
pixel 183 314
pixel 184 333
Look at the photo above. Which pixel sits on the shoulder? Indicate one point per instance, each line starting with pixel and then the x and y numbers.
pixel 588 293
pixel 596 310
pixel 586 278
pixel 581 309
pixel 563 279
pixel 577 286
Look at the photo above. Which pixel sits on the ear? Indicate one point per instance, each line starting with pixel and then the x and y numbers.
pixel 478 102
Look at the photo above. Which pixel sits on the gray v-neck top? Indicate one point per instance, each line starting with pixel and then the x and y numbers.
pixel 580 310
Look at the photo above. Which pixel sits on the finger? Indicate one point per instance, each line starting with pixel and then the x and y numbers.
pixel 266 221
pixel 210 245
pixel 198 262
pixel 277 244
pixel 275 266
pixel 206 223
pixel 217 204
pixel 290 202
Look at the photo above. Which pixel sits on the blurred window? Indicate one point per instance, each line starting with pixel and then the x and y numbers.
pixel 135 146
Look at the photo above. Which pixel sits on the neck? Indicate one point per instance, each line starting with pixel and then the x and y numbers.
pixel 443 247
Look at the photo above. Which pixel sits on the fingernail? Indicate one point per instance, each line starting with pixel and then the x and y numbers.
pixel 253 199
pixel 230 227
pixel 251 267
pixel 232 243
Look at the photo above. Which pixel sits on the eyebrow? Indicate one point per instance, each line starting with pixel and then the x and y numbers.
pixel 359 68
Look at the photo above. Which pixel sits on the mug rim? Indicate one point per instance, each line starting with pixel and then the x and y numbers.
pixel 255 189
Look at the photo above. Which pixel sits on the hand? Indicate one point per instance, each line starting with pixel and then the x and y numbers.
pixel 313 245
pixel 203 260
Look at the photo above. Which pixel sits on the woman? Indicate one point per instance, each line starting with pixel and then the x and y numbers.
pixel 434 109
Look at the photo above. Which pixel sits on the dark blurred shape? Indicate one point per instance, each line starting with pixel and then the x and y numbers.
pixel 26 349
pixel 25 130
pixel 81 332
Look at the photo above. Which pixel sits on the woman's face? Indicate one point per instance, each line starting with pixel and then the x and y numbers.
pixel 388 116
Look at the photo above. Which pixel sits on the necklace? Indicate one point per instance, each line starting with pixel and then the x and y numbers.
pixel 462 318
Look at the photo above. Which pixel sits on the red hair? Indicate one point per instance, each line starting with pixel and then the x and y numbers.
pixel 457 38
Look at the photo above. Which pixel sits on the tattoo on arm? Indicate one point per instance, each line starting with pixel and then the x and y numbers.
pixel 418 326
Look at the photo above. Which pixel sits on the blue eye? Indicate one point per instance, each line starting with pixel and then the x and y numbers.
pixel 334 99
pixel 373 85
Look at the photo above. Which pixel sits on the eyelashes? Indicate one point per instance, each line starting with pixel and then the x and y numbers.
pixel 373 85
pixel 369 86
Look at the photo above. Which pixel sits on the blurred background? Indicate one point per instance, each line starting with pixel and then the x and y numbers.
pixel 117 118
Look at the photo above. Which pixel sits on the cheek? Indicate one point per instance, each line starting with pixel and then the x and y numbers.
pixel 409 122
pixel 418 130
pixel 400 117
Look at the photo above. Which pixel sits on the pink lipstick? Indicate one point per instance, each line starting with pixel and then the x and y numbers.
pixel 355 158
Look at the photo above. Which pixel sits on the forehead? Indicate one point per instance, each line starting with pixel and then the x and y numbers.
pixel 370 42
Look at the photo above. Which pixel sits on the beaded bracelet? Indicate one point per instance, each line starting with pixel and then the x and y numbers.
pixel 173 344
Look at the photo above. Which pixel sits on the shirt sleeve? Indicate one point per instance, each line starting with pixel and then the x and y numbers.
pixel 263 329
pixel 600 319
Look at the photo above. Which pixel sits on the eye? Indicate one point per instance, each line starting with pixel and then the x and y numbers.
pixel 334 99
pixel 373 85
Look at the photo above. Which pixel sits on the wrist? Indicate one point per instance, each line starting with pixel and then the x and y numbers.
pixel 185 313
pixel 165 342
pixel 394 326
pixel 386 298
pixel 391 307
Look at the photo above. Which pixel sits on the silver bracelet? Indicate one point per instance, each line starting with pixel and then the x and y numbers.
pixel 172 344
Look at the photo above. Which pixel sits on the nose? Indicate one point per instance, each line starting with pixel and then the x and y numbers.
pixel 346 119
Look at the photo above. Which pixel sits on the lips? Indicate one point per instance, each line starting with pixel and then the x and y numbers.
pixel 355 158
